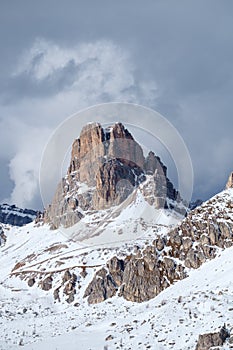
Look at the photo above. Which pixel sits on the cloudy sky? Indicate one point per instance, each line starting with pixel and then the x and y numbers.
pixel 58 57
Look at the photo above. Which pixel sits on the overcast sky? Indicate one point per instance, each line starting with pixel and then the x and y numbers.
pixel 58 57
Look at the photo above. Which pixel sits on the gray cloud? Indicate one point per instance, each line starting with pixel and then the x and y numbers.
pixel 173 56
pixel 50 82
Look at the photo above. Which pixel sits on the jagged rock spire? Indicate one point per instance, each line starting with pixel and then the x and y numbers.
pixel 111 164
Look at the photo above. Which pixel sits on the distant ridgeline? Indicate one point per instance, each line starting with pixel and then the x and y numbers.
pixel 12 215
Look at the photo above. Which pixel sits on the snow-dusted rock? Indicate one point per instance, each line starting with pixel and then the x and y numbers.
pixel 210 340
pixel 106 166
pixel 192 242
pixel 12 215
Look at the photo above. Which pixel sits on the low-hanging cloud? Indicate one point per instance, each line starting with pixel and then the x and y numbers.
pixel 49 83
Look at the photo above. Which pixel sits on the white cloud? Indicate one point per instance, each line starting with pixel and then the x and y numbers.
pixel 61 81
pixel 23 171
pixel 97 70
pixel 23 145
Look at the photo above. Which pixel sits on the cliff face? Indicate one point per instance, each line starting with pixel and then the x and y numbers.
pixel 96 145
pixel 106 166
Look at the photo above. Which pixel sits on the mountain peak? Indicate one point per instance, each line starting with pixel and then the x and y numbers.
pixel 96 145
pixel 106 166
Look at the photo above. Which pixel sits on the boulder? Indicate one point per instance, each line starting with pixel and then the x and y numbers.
pixel 209 340
pixel 46 284
pixel 31 281
pixel 66 277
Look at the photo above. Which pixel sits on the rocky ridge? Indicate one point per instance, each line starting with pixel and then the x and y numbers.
pixel 144 274
pixel 142 271
pixel 12 215
pixel 106 166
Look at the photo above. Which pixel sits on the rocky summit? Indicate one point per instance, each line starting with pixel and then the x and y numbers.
pixel 106 166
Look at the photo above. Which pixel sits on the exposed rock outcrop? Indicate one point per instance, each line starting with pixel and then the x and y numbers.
pixel 144 275
pixel 106 281
pixel 106 166
pixel 2 236
pixel 31 281
pixel 115 180
pixel 46 284
pixel 101 288
pixel 210 340
pixel 68 286
pixel 138 277
pixel 70 282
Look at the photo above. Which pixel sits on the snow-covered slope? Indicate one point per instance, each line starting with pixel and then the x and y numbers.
pixel 131 220
pixel 202 302
pixel 38 256
pixel 173 320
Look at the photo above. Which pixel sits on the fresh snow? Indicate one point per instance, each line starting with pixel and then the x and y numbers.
pixel 173 320
pixel 133 219
pixel 31 319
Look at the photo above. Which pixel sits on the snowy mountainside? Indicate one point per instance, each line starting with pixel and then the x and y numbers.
pixel 32 258
pixel 201 303
pixel 173 320
pixel 169 257
pixel 133 219
pixel 44 276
